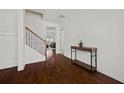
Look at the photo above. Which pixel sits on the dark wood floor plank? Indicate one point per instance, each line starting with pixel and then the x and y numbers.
pixel 57 70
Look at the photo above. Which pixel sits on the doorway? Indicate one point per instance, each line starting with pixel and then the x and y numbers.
pixel 54 37
pixel 51 38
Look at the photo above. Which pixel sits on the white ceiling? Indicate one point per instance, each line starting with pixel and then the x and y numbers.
pixel 53 14
pixel 59 11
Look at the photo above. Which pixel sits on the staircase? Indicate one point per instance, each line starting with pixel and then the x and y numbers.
pixel 36 42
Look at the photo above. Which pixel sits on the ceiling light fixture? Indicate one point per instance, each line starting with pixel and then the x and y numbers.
pixel 61 16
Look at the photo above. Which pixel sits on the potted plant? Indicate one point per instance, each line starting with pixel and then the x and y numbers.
pixel 81 44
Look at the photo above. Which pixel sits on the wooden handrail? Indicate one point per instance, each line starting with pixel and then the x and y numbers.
pixel 29 41
pixel 35 34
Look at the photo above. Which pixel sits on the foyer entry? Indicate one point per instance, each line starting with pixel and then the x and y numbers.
pixel 54 37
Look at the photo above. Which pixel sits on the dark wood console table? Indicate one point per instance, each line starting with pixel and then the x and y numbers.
pixel 87 49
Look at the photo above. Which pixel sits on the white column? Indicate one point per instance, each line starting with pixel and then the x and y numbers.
pixel 58 40
pixel 21 62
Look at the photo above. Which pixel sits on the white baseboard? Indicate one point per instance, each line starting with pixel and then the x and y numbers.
pixel 10 66
pixel 113 76
pixel 31 62
pixel 21 68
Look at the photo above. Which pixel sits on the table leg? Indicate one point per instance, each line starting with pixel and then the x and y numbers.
pixel 91 60
pixel 96 60
pixel 75 54
pixel 71 54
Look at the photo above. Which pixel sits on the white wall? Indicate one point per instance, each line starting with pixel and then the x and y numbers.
pixel 32 56
pixel 34 22
pixel 102 29
pixel 12 51
pixel 8 38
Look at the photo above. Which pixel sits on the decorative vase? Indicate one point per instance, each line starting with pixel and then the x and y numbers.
pixel 80 44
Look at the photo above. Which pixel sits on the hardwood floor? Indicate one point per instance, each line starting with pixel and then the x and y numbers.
pixel 57 70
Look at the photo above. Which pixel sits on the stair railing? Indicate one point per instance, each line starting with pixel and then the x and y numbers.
pixel 36 42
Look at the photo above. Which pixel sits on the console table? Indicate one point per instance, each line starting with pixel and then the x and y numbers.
pixel 93 53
